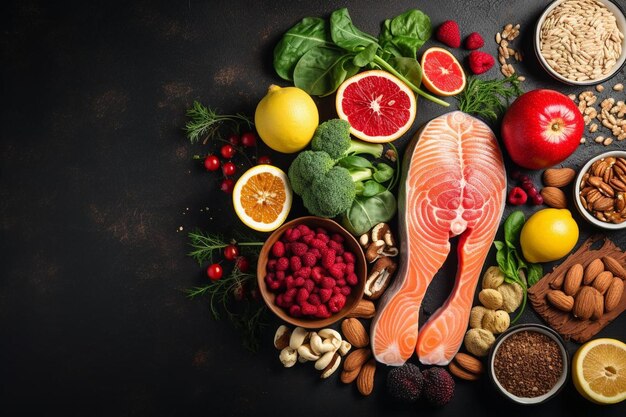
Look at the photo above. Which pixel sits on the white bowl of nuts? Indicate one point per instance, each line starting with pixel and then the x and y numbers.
pixel 581 42
pixel 600 190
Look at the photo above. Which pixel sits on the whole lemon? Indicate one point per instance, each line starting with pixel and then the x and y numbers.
pixel 548 235
pixel 286 119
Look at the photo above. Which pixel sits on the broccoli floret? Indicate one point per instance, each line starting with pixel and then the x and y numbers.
pixel 331 194
pixel 333 137
pixel 306 167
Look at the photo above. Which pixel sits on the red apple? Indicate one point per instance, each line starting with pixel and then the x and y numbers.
pixel 542 128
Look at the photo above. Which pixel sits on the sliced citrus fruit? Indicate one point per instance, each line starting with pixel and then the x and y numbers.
pixel 599 371
pixel 379 106
pixel 262 197
pixel 442 73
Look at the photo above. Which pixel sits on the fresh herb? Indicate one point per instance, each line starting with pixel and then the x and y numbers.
pixel 318 55
pixel 515 269
pixel 205 245
pixel 488 98
pixel 205 122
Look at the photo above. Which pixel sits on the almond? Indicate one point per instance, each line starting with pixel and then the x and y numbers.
pixel 469 363
pixel 592 270
pixel 557 282
pixel 558 177
pixel 585 303
pixel 613 265
pixel 614 294
pixel 573 278
pixel 554 197
pixel 459 372
pixel 560 300
pixel 348 377
pixel 598 307
pixel 365 309
pixel 603 281
pixel 365 379
pixel 355 333
pixel 356 359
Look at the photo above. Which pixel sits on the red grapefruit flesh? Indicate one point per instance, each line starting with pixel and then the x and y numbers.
pixel 379 107
pixel 442 73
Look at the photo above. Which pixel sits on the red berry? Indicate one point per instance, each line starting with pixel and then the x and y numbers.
pixel 336 302
pixel 532 192
pixel 211 163
pixel 308 259
pixel 517 196
pixel 325 294
pixel 227 151
pixel 527 185
pixel 480 62
pixel 282 264
pixel 298 249
pixel 214 272
pixel 264 160
pixel 295 263
pixel 537 200
pixel 231 252
pixel 229 169
pixel 227 185
pixel 448 33
pixel 234 139
pixel 248 139
pixel 278 249
pixel 474 41
pixel 322 312
pixel 308 309
pixel 243 264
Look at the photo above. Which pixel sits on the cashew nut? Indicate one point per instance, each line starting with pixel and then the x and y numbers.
pixel 364 240
pixel 344 348
pixel 331 367
pixel 288 357
pixel 297 338
pixel 319 346
pixel 282 336
pixel 329 333
pixel 325 360
pixel 305 352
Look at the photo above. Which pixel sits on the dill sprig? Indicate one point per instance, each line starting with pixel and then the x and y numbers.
pixel 205 245
pixel 488 98
pixel 205 122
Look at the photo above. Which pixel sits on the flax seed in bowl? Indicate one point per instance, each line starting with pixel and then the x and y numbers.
pixel 581 42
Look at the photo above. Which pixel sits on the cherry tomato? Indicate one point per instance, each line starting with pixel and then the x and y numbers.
pixel 231 252
pixel 264 160
pixel 248 139
pixel 227 185
pixel 234 139
pixel 242 264
pixel 212 163
pixel 214 272
pixel 229 169
pixel 227 151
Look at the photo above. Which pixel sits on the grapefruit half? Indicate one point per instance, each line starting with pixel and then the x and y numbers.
pixel 379 107
pixel 442 73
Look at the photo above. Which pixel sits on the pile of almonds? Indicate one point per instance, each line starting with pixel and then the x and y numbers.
pixel 603 190
pixel 554 179
pixel 589 291
pixel 610 115
pixel 505 52
pixel 359 365
pixel 466 367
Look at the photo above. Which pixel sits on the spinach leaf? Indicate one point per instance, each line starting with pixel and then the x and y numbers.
pixel 354 161
pixel 366 56
pixel 309 33
pixel 321 70
pixel 383 173
pixel 346 35
pixel 535 272
pixel 405 34
pixel 512 228
pixel 409 67
pixel 367 212
pixel 372 188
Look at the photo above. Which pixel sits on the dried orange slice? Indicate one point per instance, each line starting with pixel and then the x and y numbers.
pixel 442 73
pixel 599 371
pixel 262 197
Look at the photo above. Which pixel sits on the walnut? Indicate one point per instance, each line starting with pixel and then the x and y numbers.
pixel 493 278
pixel 476 317
pixel 496 321
pixel 490 298
pixel 479 341
pixel 512 295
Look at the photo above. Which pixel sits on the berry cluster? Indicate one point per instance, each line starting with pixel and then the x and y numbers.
pixel 311 272
pixel 520 195
pixel 449 34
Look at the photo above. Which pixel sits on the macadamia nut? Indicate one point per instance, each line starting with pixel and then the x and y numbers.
pixel 478 341
pixel 476 317
pixel 496 321
pixel 490 298
pixel 493 278
pixel 512 295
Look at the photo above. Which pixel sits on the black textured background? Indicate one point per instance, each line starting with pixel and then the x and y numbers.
pixel 96 178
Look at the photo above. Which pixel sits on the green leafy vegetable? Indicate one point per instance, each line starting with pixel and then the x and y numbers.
pixel 488 98
pixel 367 212
pixel 405 34
pixel 515 269
pixel 321 70
pixel 345 35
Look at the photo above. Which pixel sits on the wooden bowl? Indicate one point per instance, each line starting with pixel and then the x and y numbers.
pixel 360 269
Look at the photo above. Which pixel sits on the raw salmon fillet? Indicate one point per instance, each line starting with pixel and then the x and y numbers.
pixel 454 184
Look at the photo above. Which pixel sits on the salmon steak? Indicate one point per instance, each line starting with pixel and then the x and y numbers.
pixel 454 184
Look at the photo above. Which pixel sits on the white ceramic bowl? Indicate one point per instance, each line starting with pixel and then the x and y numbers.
pixel 621 24
pixel 564 356
pixel 583 212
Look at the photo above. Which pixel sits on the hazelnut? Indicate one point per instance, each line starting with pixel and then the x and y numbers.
pixel 496 321
pixel 512 296
pixel 493 278
pixel 479 341
pixel 490 298
pixel 476 317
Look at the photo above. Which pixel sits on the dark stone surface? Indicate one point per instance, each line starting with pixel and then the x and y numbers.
pixel 96 178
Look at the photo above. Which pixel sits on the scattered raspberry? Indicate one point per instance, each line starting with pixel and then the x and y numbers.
pixel 308 309
pixel 336 303
pixel 346 290
pixel 352 279
pixel 325 294
pixel 278 249
pixel 300 282
pixel 328 282
pixel 336 237
pixel 336 271
pixel 309 285
pixel 322 312
pixel 315 300
pixel 304 272
pixel 328 258
pixel 292 235
pixel 295 263
pixel 302 296
pixel 282 264
pixel 318 244
pixel 308 259
pixel 480 62
pixel 517 196
pixel 304 230
pixel 298 248
pixel 474 41
pixel 323 237
pixel 448 33
pixel 348 257
pixel 295 311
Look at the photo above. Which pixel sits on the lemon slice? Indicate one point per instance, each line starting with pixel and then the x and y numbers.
pixel 599 371
pixel 262 198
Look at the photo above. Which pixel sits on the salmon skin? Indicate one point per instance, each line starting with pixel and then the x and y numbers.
pixel 454 184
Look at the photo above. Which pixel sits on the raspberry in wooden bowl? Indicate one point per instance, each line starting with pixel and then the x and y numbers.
pixel 311 272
